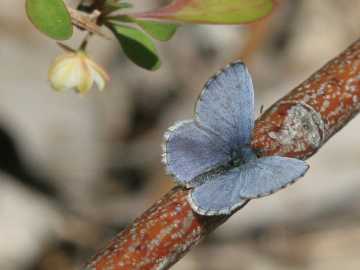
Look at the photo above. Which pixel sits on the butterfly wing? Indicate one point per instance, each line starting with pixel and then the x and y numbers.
pixel 190 151
pixel 217 196
pixel 224 119
pixel 224 193
pixel 267 175
pixel 226 105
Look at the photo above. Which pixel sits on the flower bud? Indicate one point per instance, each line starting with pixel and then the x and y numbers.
pixel 75 70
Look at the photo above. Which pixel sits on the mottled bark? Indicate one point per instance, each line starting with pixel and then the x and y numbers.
pixel 295 126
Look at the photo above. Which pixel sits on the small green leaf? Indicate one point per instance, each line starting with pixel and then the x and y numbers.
pixel 212 11
pixel 50 17
pixel 137 46
pixel 159 31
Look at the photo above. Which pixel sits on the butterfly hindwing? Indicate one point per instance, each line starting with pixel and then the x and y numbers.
pixel 190 151
pixel 267 175
pixel 226 105
pixel 221 194
pixel 216 196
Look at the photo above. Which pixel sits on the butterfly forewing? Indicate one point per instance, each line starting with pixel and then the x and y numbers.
pixel 226 105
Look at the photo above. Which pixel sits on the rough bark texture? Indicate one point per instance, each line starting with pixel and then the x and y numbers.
pixel 295 126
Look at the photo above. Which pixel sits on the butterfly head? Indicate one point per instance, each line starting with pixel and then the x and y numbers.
pixel 242 156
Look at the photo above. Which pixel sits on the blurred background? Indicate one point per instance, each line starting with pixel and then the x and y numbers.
pixel 76 170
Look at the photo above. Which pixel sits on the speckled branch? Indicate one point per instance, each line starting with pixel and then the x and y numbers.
pixel 295 126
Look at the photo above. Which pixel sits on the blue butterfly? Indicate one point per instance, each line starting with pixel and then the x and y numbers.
pixel 212 155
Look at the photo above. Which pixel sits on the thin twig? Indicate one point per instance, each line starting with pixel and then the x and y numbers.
pixel 296 126
pixel 87 21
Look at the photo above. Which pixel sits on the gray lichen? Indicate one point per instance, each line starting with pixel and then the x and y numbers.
pixel 302 127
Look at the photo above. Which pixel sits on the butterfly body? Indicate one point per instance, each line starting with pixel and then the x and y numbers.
pixel 212 155
pixel 243 155
pixel 236 161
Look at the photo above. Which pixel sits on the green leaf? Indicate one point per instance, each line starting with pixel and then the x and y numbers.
pixel 159 31
pixel 137 46
pixel 212 11
pixel 50 17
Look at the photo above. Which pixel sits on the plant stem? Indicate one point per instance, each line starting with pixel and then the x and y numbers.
pixel 85 41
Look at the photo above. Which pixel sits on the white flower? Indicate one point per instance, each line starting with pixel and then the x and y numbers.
pixel 75 70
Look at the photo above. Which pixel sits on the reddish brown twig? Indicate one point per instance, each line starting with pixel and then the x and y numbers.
pixel 297 126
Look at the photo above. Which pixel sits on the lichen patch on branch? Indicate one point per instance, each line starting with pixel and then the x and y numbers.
pixel 302 128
